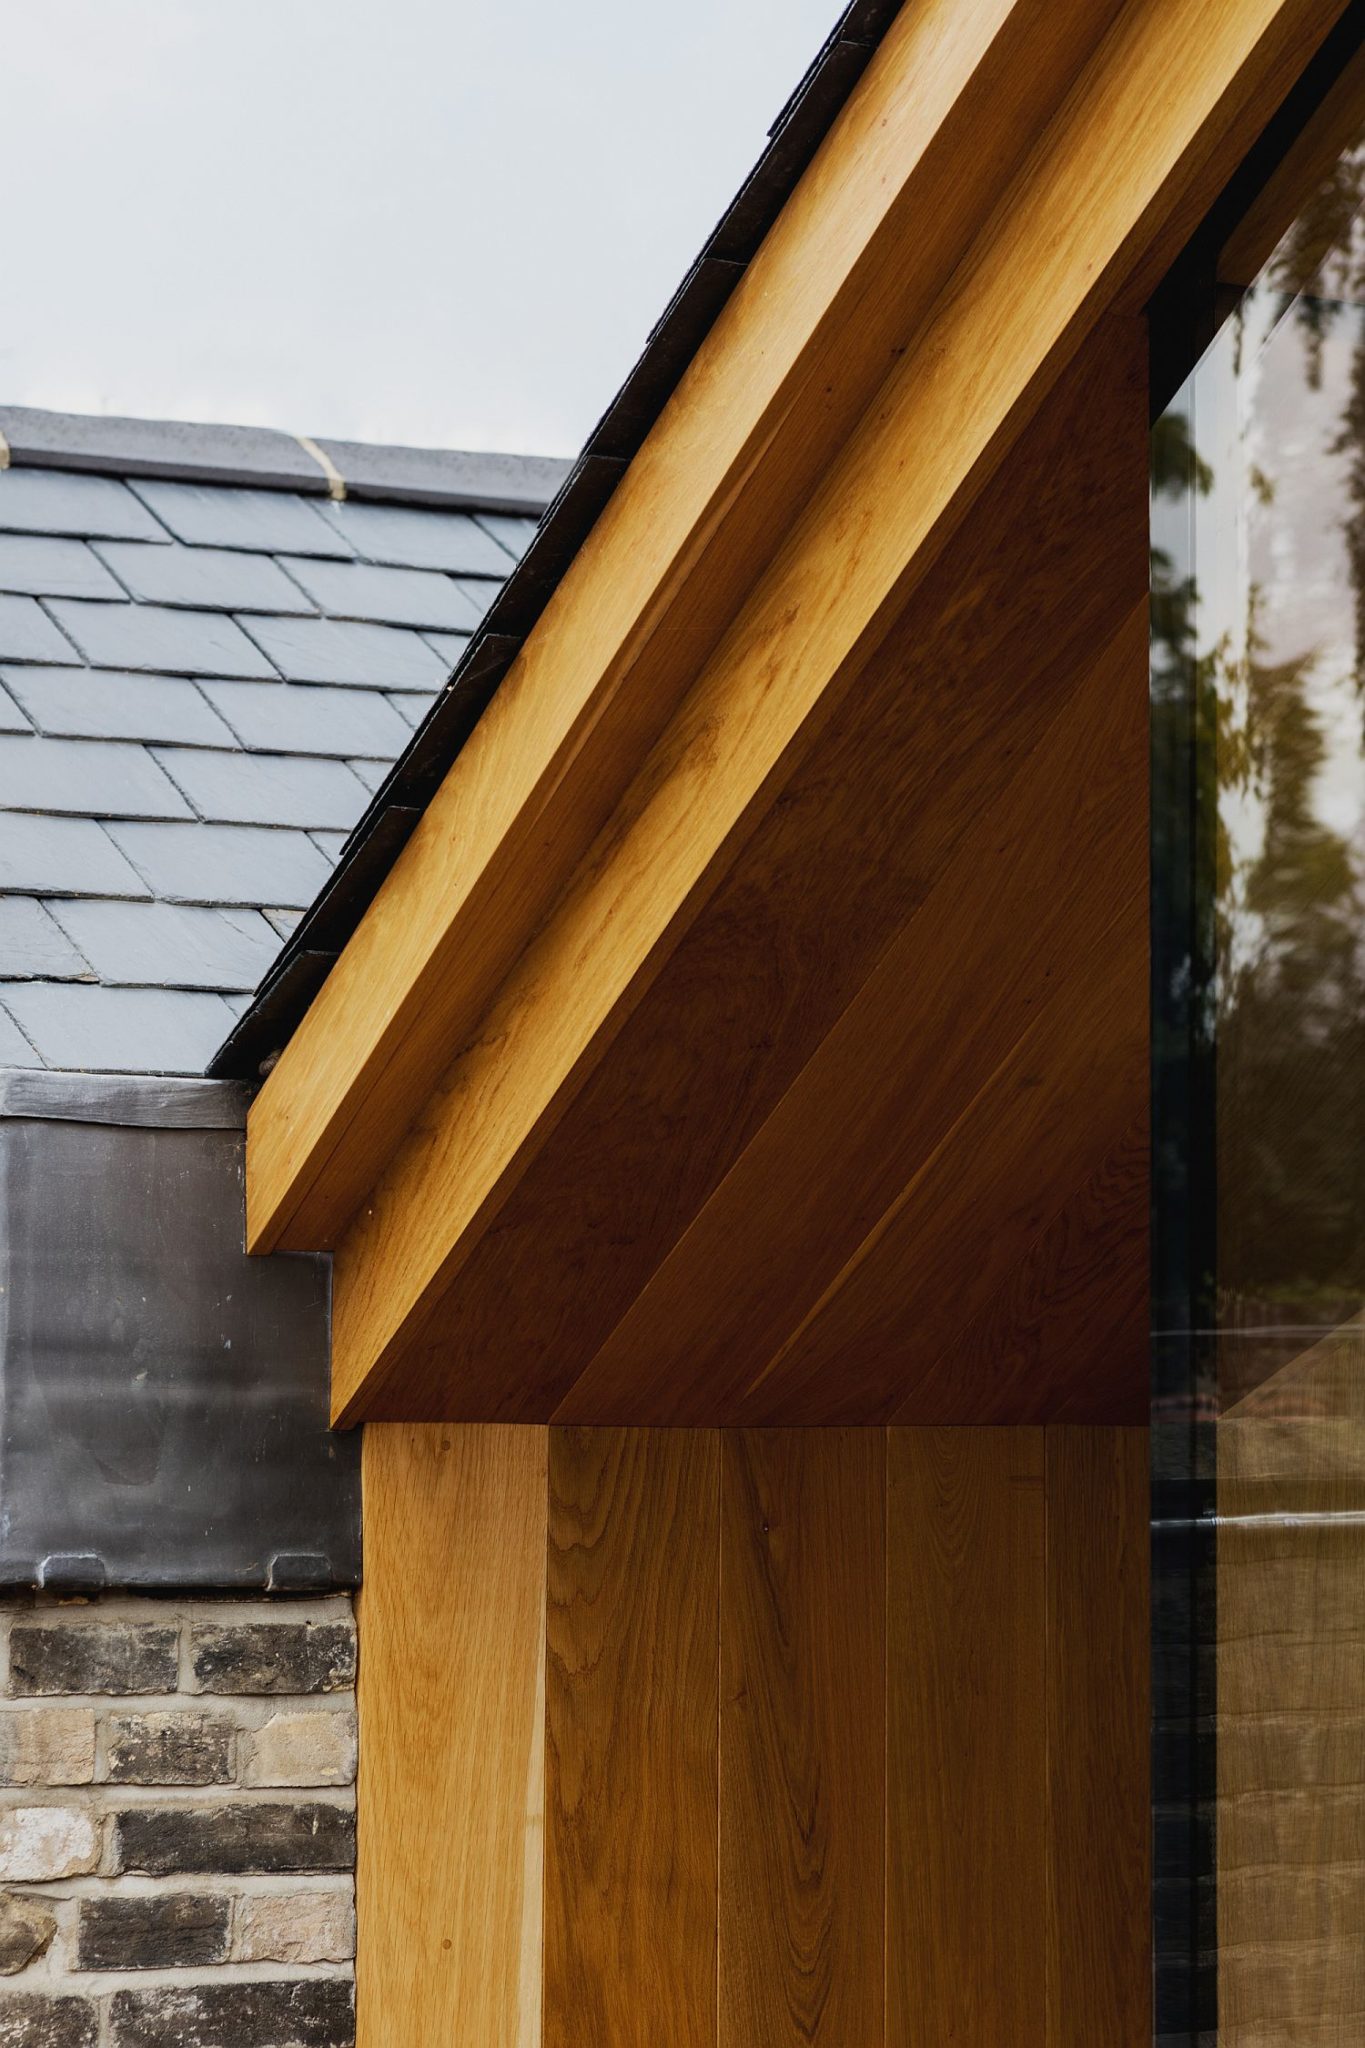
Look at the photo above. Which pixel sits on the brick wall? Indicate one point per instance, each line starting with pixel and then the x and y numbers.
pixel 177 1824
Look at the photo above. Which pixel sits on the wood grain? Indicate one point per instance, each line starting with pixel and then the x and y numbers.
pixel 452 1633
pixel 1171 80
pixel 871 235
pixel 953 1105
pixel 802 1738
pixel 967 1656
pixel 631 1739
pixel 1099 1945
pixel 1066 1337
pixel 952 717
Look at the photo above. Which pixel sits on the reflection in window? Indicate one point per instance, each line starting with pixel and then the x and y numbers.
pixel 1258 708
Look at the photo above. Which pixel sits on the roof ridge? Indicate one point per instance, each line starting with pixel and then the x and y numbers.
pixel 268 458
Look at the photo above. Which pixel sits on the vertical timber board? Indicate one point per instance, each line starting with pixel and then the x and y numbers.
pixel 452 1632
pixel 802 1738
pixel 1099 1911
pixel 631 1739
pixel 966 1739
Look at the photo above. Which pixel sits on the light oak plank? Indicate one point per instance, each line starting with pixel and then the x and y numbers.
pixel 631 1739
pixel 452 1636
pixel 967 1656
pixel 1099 1903
pixel 802 1738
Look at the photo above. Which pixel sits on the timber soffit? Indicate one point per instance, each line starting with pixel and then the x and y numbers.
pixel 303 964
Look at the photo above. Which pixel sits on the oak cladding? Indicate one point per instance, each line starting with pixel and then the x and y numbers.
pixel 827 1720
pixel 802 1737
pixel 630 1714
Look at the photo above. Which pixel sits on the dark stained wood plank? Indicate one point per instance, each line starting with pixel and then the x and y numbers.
pixel 631 1739
pixel 949 1237
pixel 452 1641
pixel 1066 1337
pixel 880 1193
pixel 1099 1942
pixel 966 1739
pixel 803 1731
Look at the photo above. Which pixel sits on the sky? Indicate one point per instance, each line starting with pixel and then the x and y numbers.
pixel 444 222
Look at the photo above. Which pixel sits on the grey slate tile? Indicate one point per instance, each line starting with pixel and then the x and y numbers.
pixel 262 522
pixel 264 789
pixel 15 1050
pixel 348 651
pixel 371 773
pixel 119 1030
pixel 331 843
pixel 27 633
pixel 144 944
pixel 411 537
pixel 236 864
pixel 156 637
pixel 391 597
pixel 413 704
pixel 238 1004
pixel 34 947
pixel 450 646
pixel 512 533
pixel 126 447
pixel 89 778
pixel 67 857
pixel 308 718
pixel 285 921
pixel 44 565
pixel 204 579
pixel 63 501
pixel 12 718
pixel 115 704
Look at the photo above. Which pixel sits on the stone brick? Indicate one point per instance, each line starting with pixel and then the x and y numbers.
pixel 275 1657
pixel 26 1930
pixel 41 1843
pixel 116 1657
pixel 303 1749
pixel 47 1746
pixel 28 2020
pixel 170 1931
pixel 170 1749
pixel 162 1841
pixel 295 1927
pixel 307 2013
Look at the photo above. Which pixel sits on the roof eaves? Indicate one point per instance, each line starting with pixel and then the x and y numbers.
pixel 280 1002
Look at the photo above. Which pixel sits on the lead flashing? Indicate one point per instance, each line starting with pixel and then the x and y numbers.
pixel 122 1100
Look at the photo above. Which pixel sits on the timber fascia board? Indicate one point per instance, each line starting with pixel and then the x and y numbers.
pixel 706 637
pixel 953 100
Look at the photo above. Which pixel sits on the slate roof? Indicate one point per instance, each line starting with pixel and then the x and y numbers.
pixel 307 956
pixel 208 662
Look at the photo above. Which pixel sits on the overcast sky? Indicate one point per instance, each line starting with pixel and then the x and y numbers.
pixel 450 222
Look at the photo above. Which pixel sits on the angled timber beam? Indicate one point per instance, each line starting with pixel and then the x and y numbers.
pixel 951 104
pixel 1136 144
